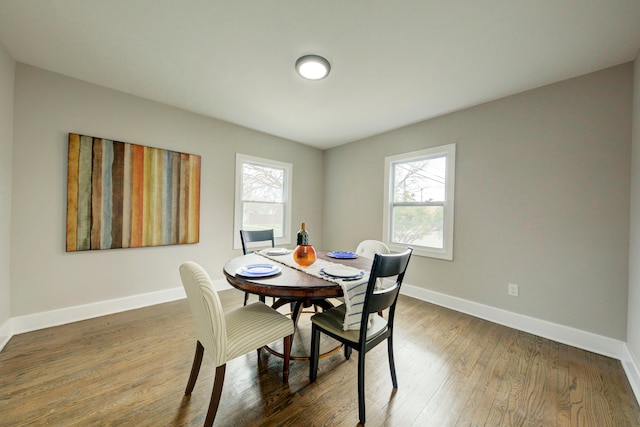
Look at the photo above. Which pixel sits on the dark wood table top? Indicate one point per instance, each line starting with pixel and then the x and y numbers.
pixel 290 283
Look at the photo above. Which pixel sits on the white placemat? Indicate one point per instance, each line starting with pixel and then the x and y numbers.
pixel 354 290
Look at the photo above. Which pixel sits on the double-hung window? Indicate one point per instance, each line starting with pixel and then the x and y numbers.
pixel 263 197
pixel 419 201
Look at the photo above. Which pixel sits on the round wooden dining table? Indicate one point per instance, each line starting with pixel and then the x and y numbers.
pixel 290 286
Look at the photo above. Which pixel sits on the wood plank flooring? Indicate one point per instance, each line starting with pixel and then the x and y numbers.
pixel 130 369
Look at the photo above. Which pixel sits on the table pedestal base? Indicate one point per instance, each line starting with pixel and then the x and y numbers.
pixel 298 308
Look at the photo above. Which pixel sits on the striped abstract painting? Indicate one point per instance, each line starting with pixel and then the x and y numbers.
pixel 122 195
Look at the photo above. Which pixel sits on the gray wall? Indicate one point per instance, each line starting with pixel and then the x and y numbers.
pixel 542 200
pixel 47 107
pixel 7 73
pixel 633 322
pixel 542 196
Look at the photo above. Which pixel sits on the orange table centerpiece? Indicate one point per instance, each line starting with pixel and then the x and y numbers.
pixel 304 254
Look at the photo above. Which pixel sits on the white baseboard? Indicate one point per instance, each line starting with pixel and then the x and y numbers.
pixel 564 334
pixel 32 322
pixel 5 333
pixel 632 369
pixel 47 319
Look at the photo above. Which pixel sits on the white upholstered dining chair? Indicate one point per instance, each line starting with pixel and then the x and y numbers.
pixel 369 248
pixel 225 336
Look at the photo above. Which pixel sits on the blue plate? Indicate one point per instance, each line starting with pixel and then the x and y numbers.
pixel 342 276
pixel 342 255
pixel 258 270
pixel 344 279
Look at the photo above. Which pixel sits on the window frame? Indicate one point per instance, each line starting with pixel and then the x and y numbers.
pixel 241 159
pixel 448 151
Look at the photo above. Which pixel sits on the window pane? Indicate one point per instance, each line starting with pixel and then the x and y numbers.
pixel 420 181
pixel 262 183
pixel 418 225
pixel 263 216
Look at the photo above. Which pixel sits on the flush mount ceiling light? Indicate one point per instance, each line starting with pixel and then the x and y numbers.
pixel 313 67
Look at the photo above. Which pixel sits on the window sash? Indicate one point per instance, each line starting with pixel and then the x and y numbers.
pixel 423 176
pixel 275 195
pixel 274 221
pixel 428 233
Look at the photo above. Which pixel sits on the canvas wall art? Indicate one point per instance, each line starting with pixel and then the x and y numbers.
pixel 122 195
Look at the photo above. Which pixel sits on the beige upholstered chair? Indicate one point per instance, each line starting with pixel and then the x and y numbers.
pixel 374 329
pixel 369 248
pixel 225 336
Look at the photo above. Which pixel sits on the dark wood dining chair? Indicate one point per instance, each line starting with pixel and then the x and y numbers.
pixel 255 236
pixel 225 335
pixel 374 329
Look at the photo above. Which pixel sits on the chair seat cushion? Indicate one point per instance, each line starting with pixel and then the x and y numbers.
pixel 253 326
pixel 332 320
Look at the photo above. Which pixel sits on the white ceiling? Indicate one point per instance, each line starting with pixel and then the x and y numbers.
pixel 393 62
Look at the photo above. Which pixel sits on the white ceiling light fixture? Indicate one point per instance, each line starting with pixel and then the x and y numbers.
pixel 313 67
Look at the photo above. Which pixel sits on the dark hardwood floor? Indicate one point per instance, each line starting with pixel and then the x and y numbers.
pixel 130 369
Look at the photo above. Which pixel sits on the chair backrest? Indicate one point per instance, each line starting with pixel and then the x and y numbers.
pixel 369 248
pixel 376 300
pixel 252 236
pixel 206 310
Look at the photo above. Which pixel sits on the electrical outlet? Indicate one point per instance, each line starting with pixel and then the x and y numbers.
pixel 512 290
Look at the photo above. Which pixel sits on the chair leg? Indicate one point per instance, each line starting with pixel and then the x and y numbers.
pixel 361 407
pixel 392 365
pixel 195 368
pixel 315 353
pixel 347 351
pixel 287 358
pixel 215 396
